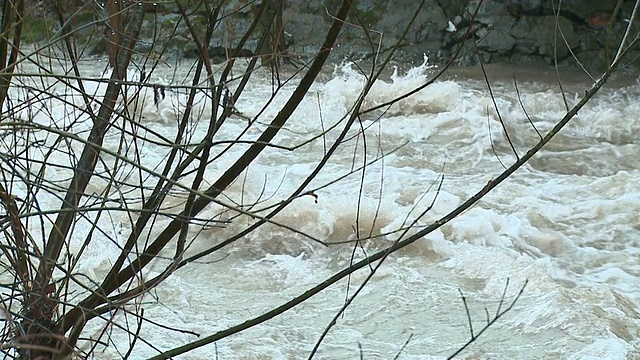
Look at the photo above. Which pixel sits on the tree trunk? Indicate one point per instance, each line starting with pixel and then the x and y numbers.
pixel 115 30
pixel 272 49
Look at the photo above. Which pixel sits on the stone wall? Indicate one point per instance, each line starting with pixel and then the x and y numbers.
pixel 515 31
pixel 506 31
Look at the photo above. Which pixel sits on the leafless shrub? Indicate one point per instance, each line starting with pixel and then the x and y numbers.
pixel 151 214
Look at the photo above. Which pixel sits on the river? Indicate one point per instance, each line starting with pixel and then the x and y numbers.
pixel 567 222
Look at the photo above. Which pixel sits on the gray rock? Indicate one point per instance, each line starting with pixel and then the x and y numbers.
pixel 242 6
pixel 516 31
pixel 497 41
pixel 453 9
pixel 488 11
pixel 592 60
pixel 580 8
pixel 632 60
pixel 307 27
pixel 527 59
pixel 538 35
pixel 530 7
pixel 612 39
pixel 589 41
pixel 595 61
pixel 397 13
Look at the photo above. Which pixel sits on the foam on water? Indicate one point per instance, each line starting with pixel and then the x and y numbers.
pixel 567 222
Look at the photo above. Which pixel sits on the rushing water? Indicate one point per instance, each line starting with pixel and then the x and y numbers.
pixel 567 221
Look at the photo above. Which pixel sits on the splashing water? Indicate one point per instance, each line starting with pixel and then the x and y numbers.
pixel 567 222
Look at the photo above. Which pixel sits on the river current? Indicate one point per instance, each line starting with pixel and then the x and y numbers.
pixel 567 222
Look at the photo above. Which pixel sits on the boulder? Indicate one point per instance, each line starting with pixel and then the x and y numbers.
pixel 539 35
pixel 530 7
pixel 580 9
pixel 488 11
pixel 431 20
pixel 496 41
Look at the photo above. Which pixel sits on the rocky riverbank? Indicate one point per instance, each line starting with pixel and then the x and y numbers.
pixel 500 31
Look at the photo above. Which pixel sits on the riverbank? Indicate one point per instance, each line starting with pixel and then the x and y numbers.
pixel 580 33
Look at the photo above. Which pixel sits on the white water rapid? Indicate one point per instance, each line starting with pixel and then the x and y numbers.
pixel 568 221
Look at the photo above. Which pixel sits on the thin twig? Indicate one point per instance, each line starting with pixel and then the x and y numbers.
pixel 490 321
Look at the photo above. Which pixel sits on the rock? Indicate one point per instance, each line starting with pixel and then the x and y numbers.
pixel 581 9
pixel 611 39
pixel 515 31
pixel 536 35
pixel 497 41
pixel 632 60
pixel 453 9
pixel 592 60
pixel 306 28
pixel 595 61
pixel 431 20
pixel 488 13
pixel 242 6
pixel 530 7
pixel 388 17
pixel 589 41
pixel 527 59
pixel 468 56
